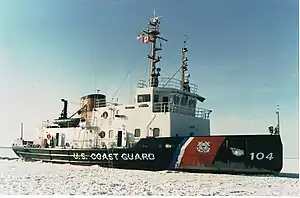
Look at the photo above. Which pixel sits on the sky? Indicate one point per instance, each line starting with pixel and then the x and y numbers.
pixel 242 54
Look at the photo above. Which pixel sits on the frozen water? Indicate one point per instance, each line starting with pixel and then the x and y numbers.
pixel 28 178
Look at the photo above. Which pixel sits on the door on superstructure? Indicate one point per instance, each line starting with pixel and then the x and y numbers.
pixel 165 101
pixel 119 138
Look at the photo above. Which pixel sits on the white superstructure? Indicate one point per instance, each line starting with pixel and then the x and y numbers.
pixel 163 107
pixel 157 112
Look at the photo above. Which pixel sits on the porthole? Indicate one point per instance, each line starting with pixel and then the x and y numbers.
pixel 156 132
pixel 137 132
pixel 102 134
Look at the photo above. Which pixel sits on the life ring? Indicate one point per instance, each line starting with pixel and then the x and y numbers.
pixel 48 136
pixel 105 114
pixel 102 134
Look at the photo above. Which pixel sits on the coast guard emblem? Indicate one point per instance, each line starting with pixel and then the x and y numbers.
pixel 203 146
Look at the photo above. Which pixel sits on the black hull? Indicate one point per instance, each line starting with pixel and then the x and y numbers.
pixel 246 154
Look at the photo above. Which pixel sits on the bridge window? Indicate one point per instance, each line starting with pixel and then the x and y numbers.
pixel 184 101
pixel 144 98
pixel 156 98
pixel 165 99
pixel 156 132
pixel 176 100
pixel 192 103
pixel 137 132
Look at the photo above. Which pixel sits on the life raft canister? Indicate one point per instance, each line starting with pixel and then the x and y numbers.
pixel 102 134
pixel 105 114
pixel 48 136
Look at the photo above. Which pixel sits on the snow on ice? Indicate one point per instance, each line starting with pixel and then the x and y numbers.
pixel 27 178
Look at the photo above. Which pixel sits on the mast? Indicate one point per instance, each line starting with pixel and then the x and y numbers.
pixel 152 36
pixel 184 67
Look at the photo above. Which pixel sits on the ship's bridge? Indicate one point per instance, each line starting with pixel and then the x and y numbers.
pixel 168 97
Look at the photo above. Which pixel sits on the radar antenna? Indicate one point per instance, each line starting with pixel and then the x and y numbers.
pixel 152 36
pixel 184 67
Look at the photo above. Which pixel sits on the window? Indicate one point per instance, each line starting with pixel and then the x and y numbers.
pixel 192 103
pixel 100 102
pixel 129 107
pixel 156 132
pixel 184 101
pixel 144 98
pixel 165 99
pixel 176 100
pixel 137 132
pixel 110 133
pixel 155 98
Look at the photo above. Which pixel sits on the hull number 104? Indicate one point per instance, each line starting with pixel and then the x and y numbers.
pixel 261 156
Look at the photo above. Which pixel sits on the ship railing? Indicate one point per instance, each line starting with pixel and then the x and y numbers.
pixel 106 104
pixel 103 103
pixel 168 83
pixel 142 84
pixel 164 107
pixel 47 124
pixel 106 142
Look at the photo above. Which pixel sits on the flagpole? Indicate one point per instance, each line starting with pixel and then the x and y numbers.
pixel 151 36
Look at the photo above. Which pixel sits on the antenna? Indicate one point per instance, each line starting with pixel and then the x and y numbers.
pixel 95 84
pixel 151 36
pixel 184 67
pixel 22 131
pixel 120 85
pixel 277 129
